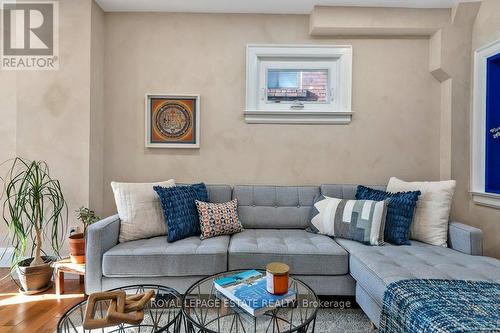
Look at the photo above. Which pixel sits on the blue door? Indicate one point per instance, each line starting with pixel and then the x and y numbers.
pixel 492 162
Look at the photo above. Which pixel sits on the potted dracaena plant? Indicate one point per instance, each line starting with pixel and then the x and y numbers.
pixel 34 210
pixel 77 240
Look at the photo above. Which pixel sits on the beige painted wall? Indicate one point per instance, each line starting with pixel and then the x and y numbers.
pixel 450 44
pixel 96 109
pixel 378 21
pixel 87 119
pixel 8 119
pixel 8 115
pixel 52 109
pixel 486 30
pixel 395 130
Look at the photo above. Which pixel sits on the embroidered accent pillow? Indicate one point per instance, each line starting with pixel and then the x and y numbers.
pixel 218 219
pixel 180 211
pixel 359 220
pixel 139 210
pixel 432 213
pixel 400 211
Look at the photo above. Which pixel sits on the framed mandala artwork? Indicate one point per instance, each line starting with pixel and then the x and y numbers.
pixel 172 121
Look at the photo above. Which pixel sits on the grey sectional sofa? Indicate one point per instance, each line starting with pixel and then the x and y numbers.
pixel 275 218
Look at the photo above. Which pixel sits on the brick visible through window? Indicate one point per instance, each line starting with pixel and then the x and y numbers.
pixel 285 85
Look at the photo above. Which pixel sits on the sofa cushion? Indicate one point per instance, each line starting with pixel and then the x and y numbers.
pixel 157 257
pixel 219 193
pixel 375 267
pixel 216 193
pixel 274 206
pixel 302 251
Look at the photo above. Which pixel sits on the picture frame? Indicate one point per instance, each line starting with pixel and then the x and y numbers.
pixel 172 121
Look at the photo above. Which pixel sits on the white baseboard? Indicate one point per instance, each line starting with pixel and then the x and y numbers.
pixel 5 260
pixel 5 263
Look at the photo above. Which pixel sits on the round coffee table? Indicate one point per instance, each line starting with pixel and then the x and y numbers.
pixel 162 314
pixel 205 310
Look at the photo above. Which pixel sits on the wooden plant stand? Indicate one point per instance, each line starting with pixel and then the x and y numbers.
pixel 66 266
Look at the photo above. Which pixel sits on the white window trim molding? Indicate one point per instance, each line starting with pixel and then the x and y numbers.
pixel 486 199
pixel 341 114
pixel 478 128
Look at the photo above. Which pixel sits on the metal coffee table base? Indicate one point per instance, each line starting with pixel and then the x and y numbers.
pixel 162 314
pixel 236 328
pixel 205 310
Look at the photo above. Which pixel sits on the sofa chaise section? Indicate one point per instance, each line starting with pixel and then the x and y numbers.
pixel 374 268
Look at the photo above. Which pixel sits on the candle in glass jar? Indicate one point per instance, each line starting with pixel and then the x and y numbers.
pixel 277 278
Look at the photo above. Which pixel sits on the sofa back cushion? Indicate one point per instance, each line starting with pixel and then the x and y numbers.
pixel 219 193
pixel 274 207
pixel 216 193
pixel 347 192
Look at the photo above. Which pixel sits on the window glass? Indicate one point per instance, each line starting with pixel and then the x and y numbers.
pixel 492 179
pixel 303 85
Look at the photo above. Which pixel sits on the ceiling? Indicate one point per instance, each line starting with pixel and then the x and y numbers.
pixel 258 6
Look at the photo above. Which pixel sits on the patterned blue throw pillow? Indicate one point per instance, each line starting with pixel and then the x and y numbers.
pixel 399 212
pixel 359 220
pixel 179 208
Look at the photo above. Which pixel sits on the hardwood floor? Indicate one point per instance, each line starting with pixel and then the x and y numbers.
pixel 37 313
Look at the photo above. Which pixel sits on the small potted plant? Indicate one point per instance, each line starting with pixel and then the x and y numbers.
pixel 77 240
pixel 34 210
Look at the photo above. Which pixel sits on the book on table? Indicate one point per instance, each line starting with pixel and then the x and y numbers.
pixel 248 290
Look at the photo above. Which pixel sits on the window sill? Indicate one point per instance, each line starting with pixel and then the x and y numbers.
pixel 298 117
pixel 486 199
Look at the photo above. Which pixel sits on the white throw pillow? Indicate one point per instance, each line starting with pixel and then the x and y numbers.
pixel 430 221
pixel 139 209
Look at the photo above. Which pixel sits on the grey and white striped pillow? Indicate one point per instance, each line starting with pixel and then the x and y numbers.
pixel 359 220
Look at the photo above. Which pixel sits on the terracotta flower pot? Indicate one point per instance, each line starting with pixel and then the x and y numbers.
pixel 37 278
pixel 77 248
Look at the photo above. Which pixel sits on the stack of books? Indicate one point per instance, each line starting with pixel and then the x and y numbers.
pixel 248 291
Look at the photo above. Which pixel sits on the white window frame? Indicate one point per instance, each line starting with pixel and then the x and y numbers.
pixel 478 128
pixel 337 59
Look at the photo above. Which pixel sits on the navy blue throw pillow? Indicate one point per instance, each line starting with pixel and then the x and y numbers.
pixel 399 212
pixel 179 208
